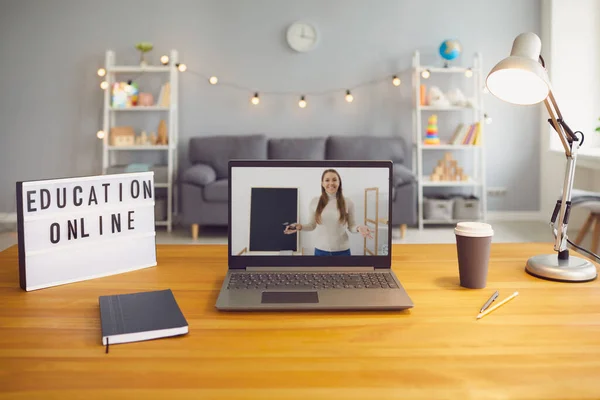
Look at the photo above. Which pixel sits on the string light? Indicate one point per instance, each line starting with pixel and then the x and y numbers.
pixel 100 134
pixel 255 100
pixel 426 74
pixel 349 97
pixel 104 85
pixel 302 102
pixel 101 72
pixel 181 67
pixel 487 119
pixel 469 73
pixel 396 81
pixel 213 80
pixel 164 59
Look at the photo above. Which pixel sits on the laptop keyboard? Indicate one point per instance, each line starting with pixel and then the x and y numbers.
pixel 291 280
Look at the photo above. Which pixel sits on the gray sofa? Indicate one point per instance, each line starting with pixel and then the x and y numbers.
pixel 204 185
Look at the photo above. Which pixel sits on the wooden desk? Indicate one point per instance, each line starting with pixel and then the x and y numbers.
pixel 545 344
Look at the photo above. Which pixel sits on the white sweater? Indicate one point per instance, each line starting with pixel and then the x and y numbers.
pixel 331 234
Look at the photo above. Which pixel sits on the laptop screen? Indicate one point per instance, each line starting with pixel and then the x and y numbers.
pixel 297 212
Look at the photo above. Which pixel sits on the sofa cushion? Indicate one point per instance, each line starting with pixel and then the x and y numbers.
pixel 216 151
pixel 297 149
pixel 402 175
pixel 217 191
pixel 199 174
pixel 365 148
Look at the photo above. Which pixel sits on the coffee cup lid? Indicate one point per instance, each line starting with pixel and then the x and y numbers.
pixel 473 229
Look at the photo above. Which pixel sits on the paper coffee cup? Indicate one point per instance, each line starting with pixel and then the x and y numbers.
pixel 473 242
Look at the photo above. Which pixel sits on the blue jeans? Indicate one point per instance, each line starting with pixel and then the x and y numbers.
pixel 332 253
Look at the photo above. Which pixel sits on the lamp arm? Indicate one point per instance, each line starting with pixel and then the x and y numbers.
pixel 571 144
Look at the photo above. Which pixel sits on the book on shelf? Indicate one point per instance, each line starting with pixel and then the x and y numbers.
pixel 164 97
pixel 466 134
pixel 134 317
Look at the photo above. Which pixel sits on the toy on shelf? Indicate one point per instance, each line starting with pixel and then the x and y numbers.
pixel 122 136
pixel 437 98
pixel 162 133
pixel 124 94
pixel 448 170
pixel 432 131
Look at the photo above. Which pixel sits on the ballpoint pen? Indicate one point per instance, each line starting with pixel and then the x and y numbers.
pixel 490 301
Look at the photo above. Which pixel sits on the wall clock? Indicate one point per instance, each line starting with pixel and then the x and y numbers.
pixel 302 36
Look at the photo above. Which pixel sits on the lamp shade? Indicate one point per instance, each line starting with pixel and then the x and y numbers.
pixel 520 78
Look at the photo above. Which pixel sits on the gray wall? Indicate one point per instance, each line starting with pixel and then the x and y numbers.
pixel 50 103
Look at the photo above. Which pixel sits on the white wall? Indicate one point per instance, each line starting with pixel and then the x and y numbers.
pixel 308 182
pixel 570 46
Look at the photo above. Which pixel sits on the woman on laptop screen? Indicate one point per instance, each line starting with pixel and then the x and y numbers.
pixel 331 217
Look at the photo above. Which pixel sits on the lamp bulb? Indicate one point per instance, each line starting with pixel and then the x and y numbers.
pixel 101 72
pixel 426 74
pixel 349 97
pixel 469 73
pixel 396 81
pixel 302 102
pixel 255 100
pixel 213 80
pixel 487 119
pixel 104 85
pixel 181 67
pixel 100 134
pixel 164 59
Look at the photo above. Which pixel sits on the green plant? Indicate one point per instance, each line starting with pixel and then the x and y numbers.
pixel 598 128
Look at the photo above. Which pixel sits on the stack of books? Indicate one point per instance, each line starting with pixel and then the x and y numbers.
pixel 467 134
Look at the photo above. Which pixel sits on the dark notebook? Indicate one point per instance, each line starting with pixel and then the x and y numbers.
pixel 140 316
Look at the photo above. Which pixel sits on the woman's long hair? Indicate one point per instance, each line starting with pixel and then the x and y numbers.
pixel 323 200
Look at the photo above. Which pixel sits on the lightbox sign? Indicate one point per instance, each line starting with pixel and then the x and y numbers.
pixel 82 228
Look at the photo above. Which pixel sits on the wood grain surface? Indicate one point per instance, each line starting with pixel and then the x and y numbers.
pixel 545 344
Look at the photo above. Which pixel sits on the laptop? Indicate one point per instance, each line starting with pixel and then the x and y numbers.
pixel 310 235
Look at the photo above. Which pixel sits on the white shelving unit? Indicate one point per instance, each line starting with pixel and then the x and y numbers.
pixel 473 88
pixel 168 73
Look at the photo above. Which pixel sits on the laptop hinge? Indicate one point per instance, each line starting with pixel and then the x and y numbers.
pixel 310 269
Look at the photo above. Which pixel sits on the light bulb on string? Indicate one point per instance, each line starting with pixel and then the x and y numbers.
pixel 426 74
pixel 100 134
pixel 181 67
pixel 487 119
pixel 396 81
pixel 104 85
pixel 469 73
pixel 349 97
pixel 213 80
pixel 164 59
pixel 302 103
pixel 255 100
pixel 101 72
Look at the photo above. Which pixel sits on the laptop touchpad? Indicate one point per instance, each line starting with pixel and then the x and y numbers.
pixel 290 297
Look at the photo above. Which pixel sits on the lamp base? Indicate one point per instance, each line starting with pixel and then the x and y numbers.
pixel 573 269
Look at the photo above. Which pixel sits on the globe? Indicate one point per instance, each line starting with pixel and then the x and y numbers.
pixel 450 49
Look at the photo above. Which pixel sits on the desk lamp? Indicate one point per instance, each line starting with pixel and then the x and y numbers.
pixel 522 79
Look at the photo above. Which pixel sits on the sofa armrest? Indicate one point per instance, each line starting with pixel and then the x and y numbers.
pixel 199 174
pixel 402 175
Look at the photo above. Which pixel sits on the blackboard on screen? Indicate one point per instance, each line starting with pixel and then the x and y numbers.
pixel 270 210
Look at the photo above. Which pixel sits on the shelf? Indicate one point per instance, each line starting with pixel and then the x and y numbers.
pixel 449 108
pixel 449 70
pixel 450 147
pixel 427 182
pixel 140 108
pixel 133 68
pixel 138 147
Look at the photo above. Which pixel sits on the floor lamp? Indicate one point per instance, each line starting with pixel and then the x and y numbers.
pixel 522 79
